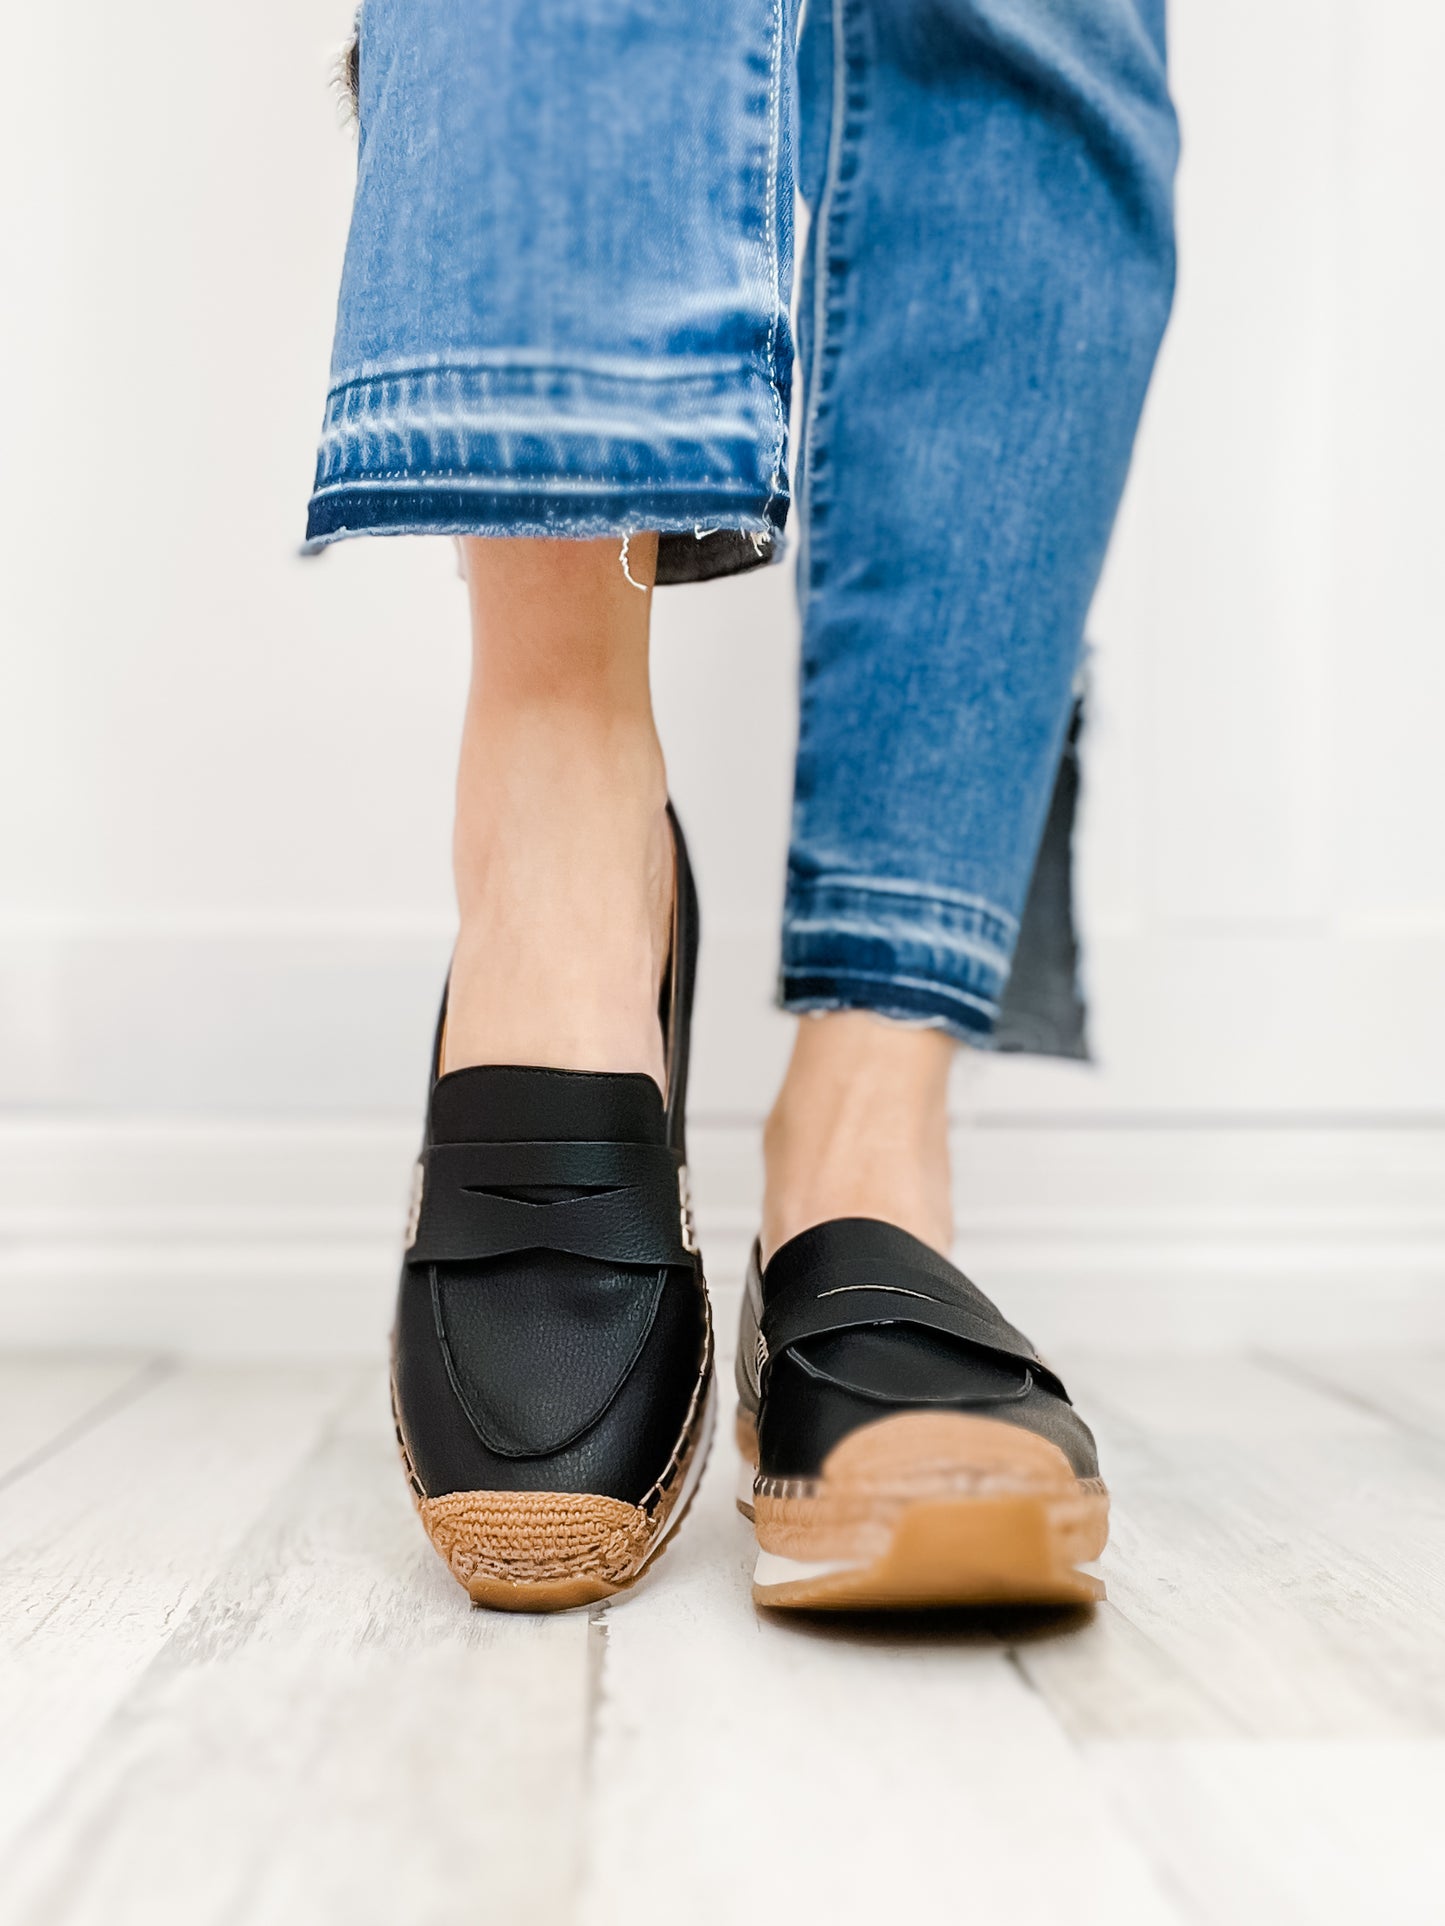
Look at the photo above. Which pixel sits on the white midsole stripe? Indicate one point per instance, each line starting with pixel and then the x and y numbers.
pixel 773 1570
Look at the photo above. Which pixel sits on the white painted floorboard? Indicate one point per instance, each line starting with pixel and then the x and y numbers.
pixel 840 1774
pixel 106 1544
pixel 237 1685
pixel 1276 1566
pixel 329 1734
pixel 44 1401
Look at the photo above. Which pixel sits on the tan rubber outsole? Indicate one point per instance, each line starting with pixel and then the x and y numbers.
pixel 929 1509
pixel 550 1551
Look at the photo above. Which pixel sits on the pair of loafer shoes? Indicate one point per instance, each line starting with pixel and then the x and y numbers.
pixel 553 1380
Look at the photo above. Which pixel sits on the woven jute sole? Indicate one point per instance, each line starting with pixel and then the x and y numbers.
pixel 546 1551
pixel 928 1509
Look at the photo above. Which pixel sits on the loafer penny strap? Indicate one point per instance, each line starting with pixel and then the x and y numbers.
pixel 622 1203
pixel 853 1296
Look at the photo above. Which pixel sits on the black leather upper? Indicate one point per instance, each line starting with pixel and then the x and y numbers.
pixel 551 1322
pixel 855 1320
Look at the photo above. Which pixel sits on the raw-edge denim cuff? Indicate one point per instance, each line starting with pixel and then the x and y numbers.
pixel 371 509
pixel 519 448
pixel 937 961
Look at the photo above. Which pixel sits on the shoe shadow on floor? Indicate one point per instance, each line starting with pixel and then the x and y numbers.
pixel 974 1625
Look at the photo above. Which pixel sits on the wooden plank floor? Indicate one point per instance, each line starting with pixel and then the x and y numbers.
pixel 236 1685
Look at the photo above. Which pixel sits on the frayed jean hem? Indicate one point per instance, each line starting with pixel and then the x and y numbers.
pixel 921 1006
pixel 521 447
pixel 934 959
pixel 420 508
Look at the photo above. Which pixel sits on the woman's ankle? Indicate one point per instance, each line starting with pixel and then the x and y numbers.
pixel 860 1129
pixel 564 886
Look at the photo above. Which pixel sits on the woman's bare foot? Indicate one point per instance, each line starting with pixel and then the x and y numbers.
pixel 860 1129
pixel 562 854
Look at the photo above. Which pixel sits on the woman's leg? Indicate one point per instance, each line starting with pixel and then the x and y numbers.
pixel 562 852
pixel 988 275
pixel 562 323
pixel 563 316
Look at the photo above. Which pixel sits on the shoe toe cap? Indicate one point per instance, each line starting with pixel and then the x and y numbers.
pixel 612 1438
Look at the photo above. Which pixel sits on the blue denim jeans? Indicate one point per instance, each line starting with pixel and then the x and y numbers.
pixel 565 310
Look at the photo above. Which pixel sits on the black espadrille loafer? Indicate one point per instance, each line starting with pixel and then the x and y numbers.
pixel 903 1444
pixel 552 1354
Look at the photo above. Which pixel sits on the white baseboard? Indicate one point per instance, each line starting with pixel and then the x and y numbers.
pixel 261 1237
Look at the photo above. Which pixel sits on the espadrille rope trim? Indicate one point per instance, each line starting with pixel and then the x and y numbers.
pixel 535 1542
pixel 652 1500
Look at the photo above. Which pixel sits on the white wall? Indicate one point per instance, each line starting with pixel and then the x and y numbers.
pixel 225 771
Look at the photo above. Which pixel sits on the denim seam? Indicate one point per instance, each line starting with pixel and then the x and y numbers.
pixel 848 106
pixel 977 949
pixel 416 417
pixel 818 242
pixel 392 394
pixel 821 909
pixel 947 991
pixel 830 287
pixel 951 949
pixel 600 427
pixel 527 484
pixel 510 361
pixel 481 425
pixel 898 886
pixel 969 1027
pixel 771 244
